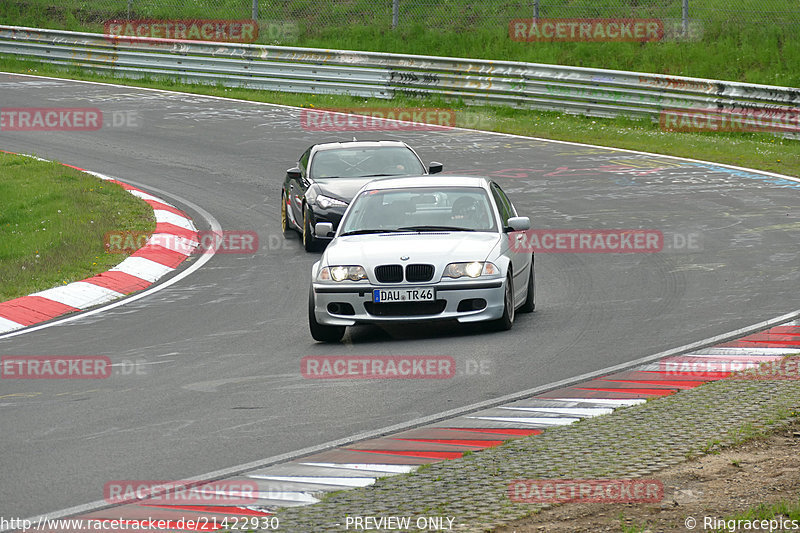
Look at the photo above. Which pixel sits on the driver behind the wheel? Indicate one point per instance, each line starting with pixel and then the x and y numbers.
pixel 467 213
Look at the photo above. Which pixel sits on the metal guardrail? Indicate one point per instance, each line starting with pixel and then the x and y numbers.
pixel 587 91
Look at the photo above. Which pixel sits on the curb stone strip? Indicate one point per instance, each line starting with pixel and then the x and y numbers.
pixel 505 430
pixel 295 491
pixel 478 496
pixel 140 270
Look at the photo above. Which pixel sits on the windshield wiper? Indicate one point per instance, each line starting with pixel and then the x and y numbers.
pixel 366 231
pixel 378 175
pixel 434 228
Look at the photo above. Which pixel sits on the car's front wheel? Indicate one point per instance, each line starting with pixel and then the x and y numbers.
pixel 310 242
pixel 321 332
pixel 285 227
pixel 505 322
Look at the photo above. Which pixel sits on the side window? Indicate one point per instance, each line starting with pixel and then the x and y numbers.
pixel 503 205
pixel 304 162
pixel 511 209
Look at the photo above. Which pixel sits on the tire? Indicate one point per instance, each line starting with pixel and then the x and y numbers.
pixel 530 295
pixel 319 331
pixel 285 227
pixel 505 322
pixel 310 242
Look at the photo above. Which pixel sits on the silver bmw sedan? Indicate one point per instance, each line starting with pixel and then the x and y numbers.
pixel 418 249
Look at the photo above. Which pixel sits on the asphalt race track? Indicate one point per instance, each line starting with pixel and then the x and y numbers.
pixel 216 356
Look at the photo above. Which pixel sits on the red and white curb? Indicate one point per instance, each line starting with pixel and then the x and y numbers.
pixel 303 481
pixel 141 269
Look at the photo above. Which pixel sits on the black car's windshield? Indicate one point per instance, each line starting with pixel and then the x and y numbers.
pixel 365 162
pixel 423 209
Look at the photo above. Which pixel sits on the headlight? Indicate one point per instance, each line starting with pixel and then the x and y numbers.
pixel 343 273
pixel 326 202
pixel 472 270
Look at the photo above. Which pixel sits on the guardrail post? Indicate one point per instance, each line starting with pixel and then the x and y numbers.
pixel 685 16
pixel 254 11
pixel 395 13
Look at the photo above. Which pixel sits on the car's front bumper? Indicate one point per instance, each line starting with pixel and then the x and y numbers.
pixel 348 304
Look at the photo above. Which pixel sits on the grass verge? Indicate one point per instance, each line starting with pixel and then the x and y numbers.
pixel 781 516
pixel 735 40
pixel 53 221
pixel 753 150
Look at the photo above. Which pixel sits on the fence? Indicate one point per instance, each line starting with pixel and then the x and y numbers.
pixel 436 15
pixel 576 90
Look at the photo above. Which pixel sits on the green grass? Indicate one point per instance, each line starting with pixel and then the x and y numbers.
pixel 752 150
pixel 785 510
pixel 53 220
pixel 754 53
pixel 80 254
pixel 739 40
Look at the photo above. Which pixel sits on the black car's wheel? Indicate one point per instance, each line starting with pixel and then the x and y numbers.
pixel 309 241
pixel 507 320
pixel 285 227
pixel 321 332
pixel 530 296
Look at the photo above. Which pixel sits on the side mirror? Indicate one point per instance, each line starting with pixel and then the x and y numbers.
pixel 435 168
pixel 519 223
pixel 323 229
pixel 293 173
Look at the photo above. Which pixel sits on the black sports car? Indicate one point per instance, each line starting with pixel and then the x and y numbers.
pixel 328 175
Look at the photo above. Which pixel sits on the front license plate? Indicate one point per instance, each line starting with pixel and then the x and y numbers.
pixel 423 294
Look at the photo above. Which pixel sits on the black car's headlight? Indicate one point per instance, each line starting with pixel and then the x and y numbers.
pixel 326 202
pixel 342 273
pixel 473 269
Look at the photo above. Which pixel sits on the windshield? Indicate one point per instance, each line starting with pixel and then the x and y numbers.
pixel 420 209
pixel 366 162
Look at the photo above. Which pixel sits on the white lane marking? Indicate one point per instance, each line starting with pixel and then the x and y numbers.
pixel 9 325
pixel 173 242
pixel 497 133
pixel 544 421
pixel 388 469
pixel 203 259
pixel 80 294
pixel 700 366
pixel 142 268
pixel 747 352
pixel 278 495
pixel 321 480
pixel 171 218
pixel 444 415
pixel 144 196
pixel 576 411
pixel 621 402
pixel 793 315
pixel 287 496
